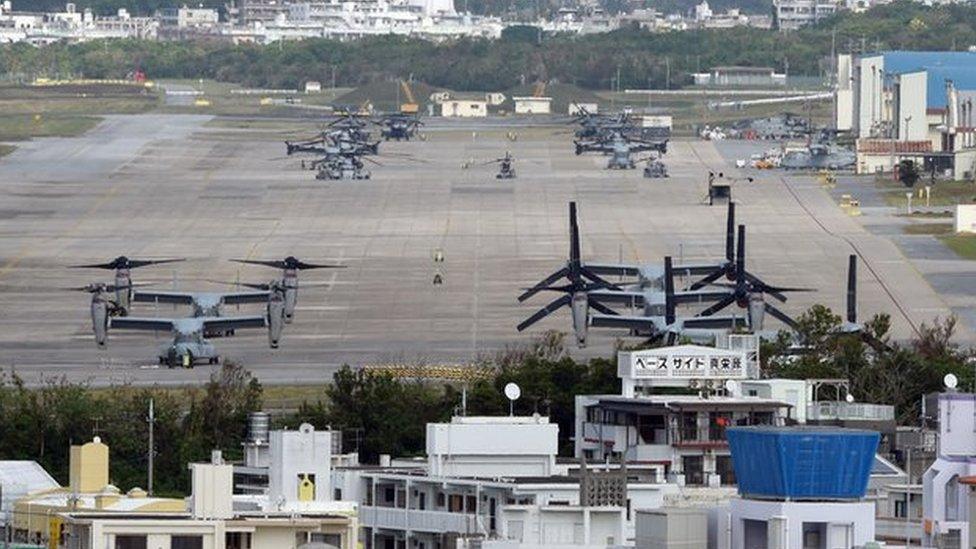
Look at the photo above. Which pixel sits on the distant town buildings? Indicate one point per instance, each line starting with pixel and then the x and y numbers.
pixel 267 21
pixel 793 14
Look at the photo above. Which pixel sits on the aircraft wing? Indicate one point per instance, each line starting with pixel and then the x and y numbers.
pixel 614 296
pixel 148 324
pixel 609 269
pixel 233 298
pixel 715 322
pixel 233 322
pixel 176 298
pixel 700 296
pixel 626 321
pixel 695 269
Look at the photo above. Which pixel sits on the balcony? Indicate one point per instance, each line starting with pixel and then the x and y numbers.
pixel 898 529
pixel 397 518
pixel 694 437
pixel 849 411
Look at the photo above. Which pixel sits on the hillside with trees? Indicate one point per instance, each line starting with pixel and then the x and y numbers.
pixel 591 61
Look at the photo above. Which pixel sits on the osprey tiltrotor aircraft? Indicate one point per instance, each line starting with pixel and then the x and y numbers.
pixel 190 334
pixel 651 290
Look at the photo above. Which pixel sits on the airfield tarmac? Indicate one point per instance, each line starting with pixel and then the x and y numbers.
pixel 159 185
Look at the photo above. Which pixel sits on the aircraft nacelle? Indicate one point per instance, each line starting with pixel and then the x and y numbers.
pixel 276 319
pixel 581 314
pixel 99 317
pixel 757 311
pixel 123 290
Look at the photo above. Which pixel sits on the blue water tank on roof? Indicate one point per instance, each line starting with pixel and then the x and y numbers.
pixel 802 463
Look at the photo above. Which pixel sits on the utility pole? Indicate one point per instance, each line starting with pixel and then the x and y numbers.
pixel 152 450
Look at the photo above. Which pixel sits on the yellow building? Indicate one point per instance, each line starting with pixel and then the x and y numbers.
pixel 36 515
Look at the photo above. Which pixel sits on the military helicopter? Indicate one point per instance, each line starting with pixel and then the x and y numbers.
pixel 506 166
pixel 619 148
pixel 655 168
pixel 189 343
pixel 399 126
pixel 340 166
pixel 595 125
pixel 352 124
pixel 123 266
pixel 290 266
pixel 819 156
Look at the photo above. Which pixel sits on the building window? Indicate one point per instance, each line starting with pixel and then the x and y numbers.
pixel 724 469
pixel 186 542
pixel 237 540
pixel 900 508
pixel 440 500
pixel 456 503
pixel 130 542
pixel 335 540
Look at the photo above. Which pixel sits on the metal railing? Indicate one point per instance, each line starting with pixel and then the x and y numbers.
pixel 831 410
pixel 692 436
pixel 397 518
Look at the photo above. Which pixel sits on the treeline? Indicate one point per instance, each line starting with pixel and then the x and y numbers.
pixel 879 370
pixel 640 58
pixel 524 8
pixel 379 414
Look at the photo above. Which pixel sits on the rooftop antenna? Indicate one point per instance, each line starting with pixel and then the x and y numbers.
pixel 512 393
pixel 950 381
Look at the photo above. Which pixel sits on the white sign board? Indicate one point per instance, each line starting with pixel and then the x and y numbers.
pixel 676 366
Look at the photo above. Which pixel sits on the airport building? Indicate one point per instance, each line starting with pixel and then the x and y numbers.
pixel 794 14
pixel 914 106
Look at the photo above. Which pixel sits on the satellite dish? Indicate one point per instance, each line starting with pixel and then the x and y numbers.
pixel 849 398
pixel 950 381
pixel 513 391
pixel 730 386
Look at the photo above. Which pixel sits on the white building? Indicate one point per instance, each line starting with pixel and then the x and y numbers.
pixel 300 470
pixel 492 447
pixel 948 484
pixel 793 14
pixel 495 479
pixel 464 108
pixel 533 105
